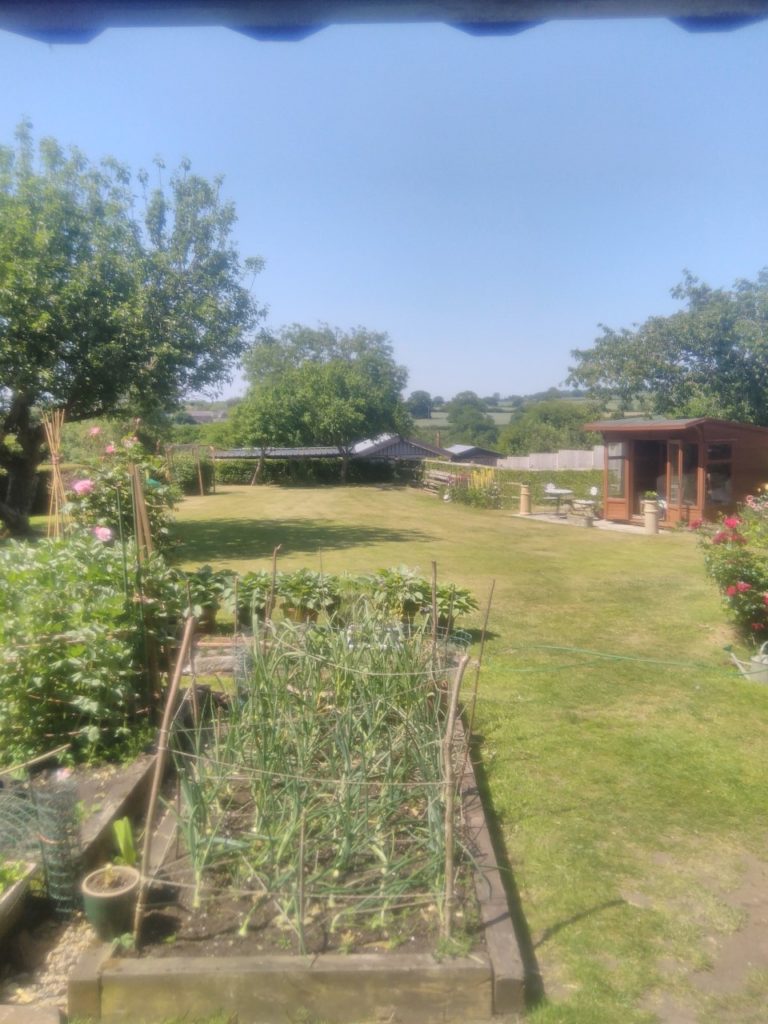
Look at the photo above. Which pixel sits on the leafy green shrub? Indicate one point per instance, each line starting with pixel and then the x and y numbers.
pixel 306 593
pixel 478 486
pixel 72 627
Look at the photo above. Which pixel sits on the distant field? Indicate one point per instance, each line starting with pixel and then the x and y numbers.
pixel 625 756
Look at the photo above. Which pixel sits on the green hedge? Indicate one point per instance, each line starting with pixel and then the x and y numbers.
pixel 314 471
pixel 498 487
pixel 185 476
pixel 577 480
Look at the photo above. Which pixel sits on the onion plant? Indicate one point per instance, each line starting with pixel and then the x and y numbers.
pixel 324 787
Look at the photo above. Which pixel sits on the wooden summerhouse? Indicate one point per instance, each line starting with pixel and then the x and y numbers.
pixel 698 468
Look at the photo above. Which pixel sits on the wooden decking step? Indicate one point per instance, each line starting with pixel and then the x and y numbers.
pixel 12 1014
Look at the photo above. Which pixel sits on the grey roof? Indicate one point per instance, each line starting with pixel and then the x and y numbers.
pixel 309 452
pixel 373 442
pixel 68 21
pixel 377 446
pixel 464 449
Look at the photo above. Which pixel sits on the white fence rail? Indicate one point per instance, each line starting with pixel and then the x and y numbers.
pixel 543 462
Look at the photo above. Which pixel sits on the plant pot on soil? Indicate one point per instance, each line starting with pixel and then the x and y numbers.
pixel 109 899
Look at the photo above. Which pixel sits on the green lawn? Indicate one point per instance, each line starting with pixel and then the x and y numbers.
pixel 625 758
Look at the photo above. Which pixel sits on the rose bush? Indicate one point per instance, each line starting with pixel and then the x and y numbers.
pixel 102 500
pixel 736 557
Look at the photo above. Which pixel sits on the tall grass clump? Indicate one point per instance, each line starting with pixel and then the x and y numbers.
pixel 321 793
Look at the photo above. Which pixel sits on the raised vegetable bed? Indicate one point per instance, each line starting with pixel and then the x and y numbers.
pixel 319 809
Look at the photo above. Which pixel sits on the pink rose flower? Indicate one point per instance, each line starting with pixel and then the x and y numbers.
pixel 110 449
pixel 731 591
pixel 82 487
pixel 732 522
pixel 102 533
pixel 94 432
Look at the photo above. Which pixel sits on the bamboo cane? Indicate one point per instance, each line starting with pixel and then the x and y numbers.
pixel 160 759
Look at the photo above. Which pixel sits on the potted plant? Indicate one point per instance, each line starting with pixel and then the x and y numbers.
pixel 402 592
pixel 305 593
pixel 110 892
pixel 205 588
pixel 451 602
pixel 253 589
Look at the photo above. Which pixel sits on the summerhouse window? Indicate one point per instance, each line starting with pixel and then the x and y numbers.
pixel 719 473
pixel 617 469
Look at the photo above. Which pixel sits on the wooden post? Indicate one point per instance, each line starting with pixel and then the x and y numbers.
pixel 199 473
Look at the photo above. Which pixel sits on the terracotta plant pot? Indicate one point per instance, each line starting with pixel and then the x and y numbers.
pixel 109 899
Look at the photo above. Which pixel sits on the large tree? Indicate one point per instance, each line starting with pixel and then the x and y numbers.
pixel 108 302
pixel 321 386
pixel 468 421
pixel 708 359
pixel 549 426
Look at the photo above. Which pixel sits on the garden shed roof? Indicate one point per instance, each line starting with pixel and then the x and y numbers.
pixel 394 446
pixel 666 425
pixel 385 446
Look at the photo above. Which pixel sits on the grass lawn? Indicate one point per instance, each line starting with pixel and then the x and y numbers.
pixel 625 758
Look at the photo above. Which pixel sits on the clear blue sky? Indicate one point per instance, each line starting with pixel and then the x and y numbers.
pixel 486 201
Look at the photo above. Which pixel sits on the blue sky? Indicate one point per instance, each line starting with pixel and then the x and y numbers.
pixel 486 201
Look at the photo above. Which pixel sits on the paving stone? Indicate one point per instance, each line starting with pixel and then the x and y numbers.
pixel 29 1015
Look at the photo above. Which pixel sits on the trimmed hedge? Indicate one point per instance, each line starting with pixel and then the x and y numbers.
pixel 184 474
pixel 315 471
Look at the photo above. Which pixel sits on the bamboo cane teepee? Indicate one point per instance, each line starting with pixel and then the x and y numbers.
pixel 53 425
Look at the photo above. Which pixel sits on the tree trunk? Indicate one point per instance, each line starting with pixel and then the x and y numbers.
pixel 19 496
pixel 344 465
pixel 20 467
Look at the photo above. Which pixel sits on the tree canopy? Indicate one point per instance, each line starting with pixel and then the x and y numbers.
pixel 549 426
pixel 708 359
pixel 320 386
pixel 107 303
pixel 468 421
pixel 419 405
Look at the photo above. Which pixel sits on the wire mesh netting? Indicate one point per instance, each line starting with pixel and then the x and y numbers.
pixel 39 822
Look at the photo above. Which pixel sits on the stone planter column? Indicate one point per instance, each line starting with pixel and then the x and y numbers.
pixel 525 500
pixel 651 516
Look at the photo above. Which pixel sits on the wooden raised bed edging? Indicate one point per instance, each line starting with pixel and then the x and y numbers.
pixel 342 989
